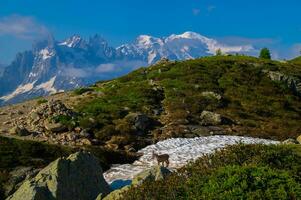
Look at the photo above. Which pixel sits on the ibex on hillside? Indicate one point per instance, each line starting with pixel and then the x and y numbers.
pixel 164 158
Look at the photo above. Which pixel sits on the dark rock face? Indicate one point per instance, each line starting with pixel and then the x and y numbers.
pixel 17 176
pixel 77 177
pixel 140 121
pixel 20 131
pixel 16 72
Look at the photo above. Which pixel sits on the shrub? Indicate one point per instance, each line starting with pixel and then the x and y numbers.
pixel 237 172
pixel 65 120
pixel 265 54
pixel 106 132
pixel 245 182
pixel 41 101
pixel 80 91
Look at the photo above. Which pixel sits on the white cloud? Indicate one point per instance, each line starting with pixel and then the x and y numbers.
pixel 24 27
pixel 103 71
pixel 77 72
pixel 105 68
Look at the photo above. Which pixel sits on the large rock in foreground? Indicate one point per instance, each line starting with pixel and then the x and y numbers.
pixel 152 174
pixel 78 177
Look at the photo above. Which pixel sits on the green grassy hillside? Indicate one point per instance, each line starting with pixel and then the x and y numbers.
pixel 256 105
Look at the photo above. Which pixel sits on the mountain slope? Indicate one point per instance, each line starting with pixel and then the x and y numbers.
pixel 241 92
pixel 53 66
pixel 232 95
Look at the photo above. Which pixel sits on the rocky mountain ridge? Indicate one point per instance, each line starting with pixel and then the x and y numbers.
pixel 52 66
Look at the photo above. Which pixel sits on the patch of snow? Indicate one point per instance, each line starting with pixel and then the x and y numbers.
pixel 32 74
pixel 151 57
pixel 21 89
pixel 211 44
pixel 147 40
pixel 47 86
pixel 45 53
pixel 71 42
pixel 180 151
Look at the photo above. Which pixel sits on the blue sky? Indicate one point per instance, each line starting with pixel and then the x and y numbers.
pixel 272 23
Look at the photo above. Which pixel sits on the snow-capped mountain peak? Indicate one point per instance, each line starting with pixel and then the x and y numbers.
pixel 74 42
pixel 146 41
pixel 54 66
pixel 46 53
pixel 187 35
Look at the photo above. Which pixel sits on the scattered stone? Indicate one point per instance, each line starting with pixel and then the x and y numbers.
pixel 77 129
pixel 210 118
pixel 85 133
pixel 77 177
pixel 54 127
pixel 112 146
pixel 140 121
pixel 85 141
pixel 40 117
pixel 299 139
pixel 20 131
pixel 19 112
pixel 212 95
pixel 7 123
pixel 3 113
pixel 290 141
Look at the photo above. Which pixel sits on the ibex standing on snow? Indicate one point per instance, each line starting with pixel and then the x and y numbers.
pixel 164 158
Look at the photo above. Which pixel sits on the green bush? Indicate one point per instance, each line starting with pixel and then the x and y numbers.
pixel 244 182
pixel 80 91
pixel 65 120
pixel 106 132
pixel 41 101
pixel 237 172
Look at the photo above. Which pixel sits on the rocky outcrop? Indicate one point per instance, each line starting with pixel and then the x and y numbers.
pixel 78 177
pixel 212 119
pixel 54 127
pixel 212 95
pixel 20 131
pixel 153 174
pixel 42 118
pixel 140 121
pixel 290 141
pixel 17 177
pixel 294 83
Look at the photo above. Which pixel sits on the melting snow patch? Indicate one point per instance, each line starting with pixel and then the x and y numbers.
pixel 47 86
pixel 180 150
pixel 21 89
pixel 46 54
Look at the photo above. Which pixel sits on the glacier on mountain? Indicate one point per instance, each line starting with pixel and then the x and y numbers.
pixel 76 62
